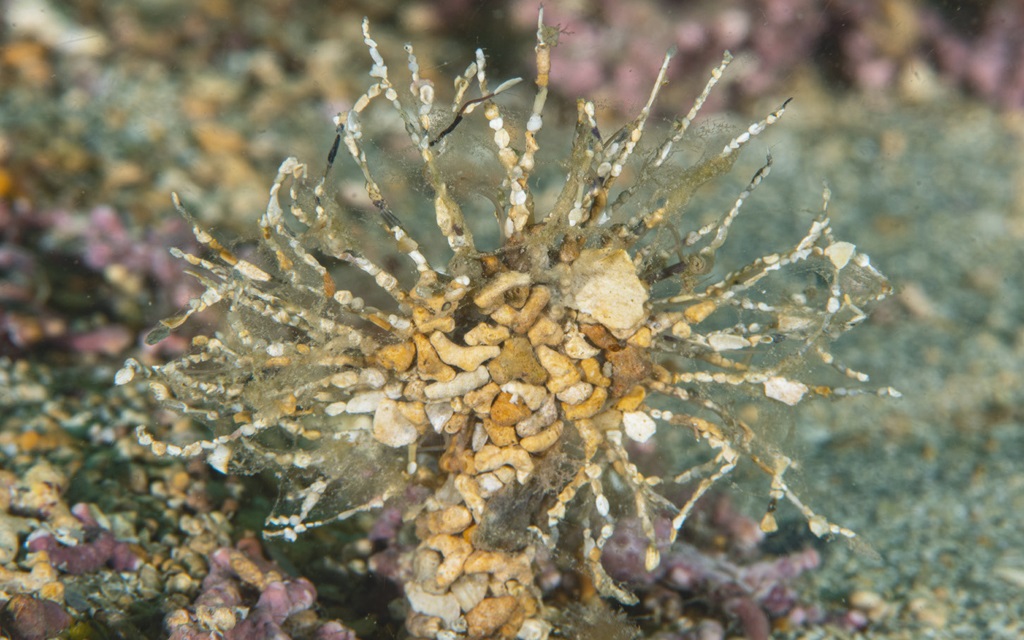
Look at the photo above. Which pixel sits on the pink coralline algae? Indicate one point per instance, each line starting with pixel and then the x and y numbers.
pixel 731 586
pixel 988 61
pixel 97 549
pixel 601 51
pixel 885 44
pixel 873 45
pixel 57 264
pixel 107 242
pixel 219 610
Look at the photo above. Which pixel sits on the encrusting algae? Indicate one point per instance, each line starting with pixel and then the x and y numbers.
pixel 511 381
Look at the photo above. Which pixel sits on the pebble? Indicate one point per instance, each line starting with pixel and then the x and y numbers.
pixel 180 583
pixel 929 612
pixel 28 618
pixel 872 604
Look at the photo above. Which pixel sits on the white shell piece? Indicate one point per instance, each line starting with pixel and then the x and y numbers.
pixel 638 425
pixel 576 346
pixel 124 376
pixel 373 378
pixel 840 253
pixel 335 408
pixel 392 428
pixel 438 413
pixel 727 342
pixel 784 390
pixel 576 393
pixel 219 457
pixel 605 286
pixel 489 484
pixel 365 402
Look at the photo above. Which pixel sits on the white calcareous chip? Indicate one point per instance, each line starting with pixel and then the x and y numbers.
pixel 335 408
pixel 392 428
pixel 364 402
pixel 124 376
pixel 605 286
pixel 784 390
pixel 727 342
pixel 638 425
pixel 219 458
pixel 840 253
